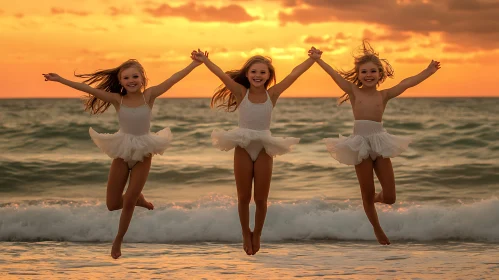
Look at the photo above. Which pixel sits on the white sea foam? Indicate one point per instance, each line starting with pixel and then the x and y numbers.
pixel 216 219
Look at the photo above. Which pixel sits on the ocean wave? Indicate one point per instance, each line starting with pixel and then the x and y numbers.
pixel 215 219
pixel 39 175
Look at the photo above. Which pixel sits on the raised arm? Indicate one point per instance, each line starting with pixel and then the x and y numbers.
pixel 158 90
pixel 280 87
pixel 101 94
pixel 345 85
pixel 412 81
pixel 237 89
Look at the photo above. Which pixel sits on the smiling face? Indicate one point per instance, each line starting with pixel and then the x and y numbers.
pixel 131 79
pixel 369 74
pixel 258 74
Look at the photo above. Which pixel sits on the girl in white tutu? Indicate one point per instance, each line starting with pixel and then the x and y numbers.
pixel 371 147
pixel 133 146
pixel 247 90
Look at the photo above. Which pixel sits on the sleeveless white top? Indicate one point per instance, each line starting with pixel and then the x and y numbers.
pixel 255 116
pixel 135 120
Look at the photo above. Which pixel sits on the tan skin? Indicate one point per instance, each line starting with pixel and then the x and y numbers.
pixel 131 79
pixel 259 173
pixel 368 103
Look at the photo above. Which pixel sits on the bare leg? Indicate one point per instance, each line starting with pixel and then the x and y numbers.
pixel 384 172
pixel 138 179
pixel 365 176
pixel 116 182
pixel 243 172
pixel 263 175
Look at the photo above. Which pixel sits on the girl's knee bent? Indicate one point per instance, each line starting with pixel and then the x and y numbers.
pixel 389 199
pixel 113 206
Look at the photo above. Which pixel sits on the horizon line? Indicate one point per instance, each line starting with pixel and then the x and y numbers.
pixel 290 97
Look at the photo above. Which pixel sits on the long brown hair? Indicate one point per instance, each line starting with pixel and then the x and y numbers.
pixel 367 55
pixel 108 80
pixel 224 97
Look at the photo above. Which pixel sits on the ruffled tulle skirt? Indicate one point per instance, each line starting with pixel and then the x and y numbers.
pixel 131 147
pixel 369 139
pixel 243 137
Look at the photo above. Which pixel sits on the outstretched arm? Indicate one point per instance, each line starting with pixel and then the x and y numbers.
pixel 412 81
pixel 158 90
pixel 276 90
pixel 101 94
pixel 237 89
pixel 345 85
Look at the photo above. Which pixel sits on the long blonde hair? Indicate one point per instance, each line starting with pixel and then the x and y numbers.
pixel 224 97
pixel 367 55
pixel 108 80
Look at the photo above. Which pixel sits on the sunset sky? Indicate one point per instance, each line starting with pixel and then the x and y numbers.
pixel 64 36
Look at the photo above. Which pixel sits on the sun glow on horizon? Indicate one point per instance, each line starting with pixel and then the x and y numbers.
pixel 64 37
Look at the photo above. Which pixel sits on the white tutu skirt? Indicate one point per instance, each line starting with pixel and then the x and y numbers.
pixel 369 139
pixel 132 148
pixel 242 137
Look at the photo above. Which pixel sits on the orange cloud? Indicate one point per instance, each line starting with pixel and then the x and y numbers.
pixel 317 39
pixel 456 19
pixel 327 42
pixel 58 11
pixel 403 49
pixel 92 53
pixel 201 13
pixel 220 50
pixel 19 15
pixel 342 36
pixel 394 36
pixel 414 60
pixel 426 60
pixel 454 49
pixel 114 11
pixel 88 28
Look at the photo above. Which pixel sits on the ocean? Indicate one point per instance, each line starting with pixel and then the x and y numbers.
pixel 54 223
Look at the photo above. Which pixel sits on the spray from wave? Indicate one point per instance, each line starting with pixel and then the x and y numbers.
pixel 215 219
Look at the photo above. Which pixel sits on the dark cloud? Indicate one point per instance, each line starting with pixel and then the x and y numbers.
pixel 455 19
pixel 200 13
pixel 59 11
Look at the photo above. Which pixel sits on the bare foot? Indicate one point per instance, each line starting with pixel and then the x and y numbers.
pixel 247 245
pixel 116 249
pixel 382 238
pixel 142 202
pixel 255 240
